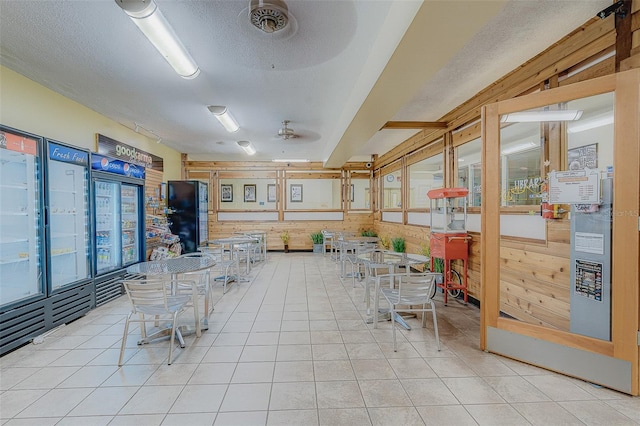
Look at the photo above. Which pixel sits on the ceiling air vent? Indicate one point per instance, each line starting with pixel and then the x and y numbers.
pixel 269 16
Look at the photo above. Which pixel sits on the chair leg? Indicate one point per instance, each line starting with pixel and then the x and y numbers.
pixel 435 323
pixel 424 315
pixel 196 312
pixel 206 294
pixel 173 336
pixel 143 328
pixel 124 340
pixel 392 312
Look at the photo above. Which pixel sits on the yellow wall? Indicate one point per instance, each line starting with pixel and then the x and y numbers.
pixel 30 107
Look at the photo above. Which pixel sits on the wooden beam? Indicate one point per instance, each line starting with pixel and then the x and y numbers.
pixel 623 33
pixel 414 125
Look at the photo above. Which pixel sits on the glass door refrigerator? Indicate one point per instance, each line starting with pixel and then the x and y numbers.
pixel 69 246
pixel 188 204
pixel 118 191
pixel 22 272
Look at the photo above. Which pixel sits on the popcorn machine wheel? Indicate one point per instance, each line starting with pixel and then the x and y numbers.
pixel 449 239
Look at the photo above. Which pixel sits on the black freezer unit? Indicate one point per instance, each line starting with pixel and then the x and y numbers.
pixel 188 207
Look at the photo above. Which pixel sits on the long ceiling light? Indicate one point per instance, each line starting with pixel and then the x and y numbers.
pixel 247 146
pixel 518 148
pixel 534 116
pixel 146 15
pixel 224 117
pixel 592 123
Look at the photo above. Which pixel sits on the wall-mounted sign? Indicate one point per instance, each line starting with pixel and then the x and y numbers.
pixel 130 154
pixel 574 187
pixel 18 143
pixel 68 155
pixel 111 165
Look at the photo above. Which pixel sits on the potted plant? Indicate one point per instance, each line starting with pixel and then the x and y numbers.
pixel 284 236
pixel 318 242
pixel 368 233
pixel 398 244
pixel 385 242
pixel 438 264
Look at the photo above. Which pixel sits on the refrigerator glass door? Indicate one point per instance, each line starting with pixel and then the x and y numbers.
pixel 130 224
pixel 202 214
pixel 20 243
pixel 108 254
pixel 69 223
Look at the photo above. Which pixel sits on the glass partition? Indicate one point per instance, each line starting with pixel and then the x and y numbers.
pixel 470 170
pixel 520 163
pixel 314 194
pixel 359 191
pixel 392 190
pixel 424 176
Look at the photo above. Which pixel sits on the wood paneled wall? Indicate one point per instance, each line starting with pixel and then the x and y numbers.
pixel 299 231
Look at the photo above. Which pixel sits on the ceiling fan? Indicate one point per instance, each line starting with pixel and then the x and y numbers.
pixel 286 132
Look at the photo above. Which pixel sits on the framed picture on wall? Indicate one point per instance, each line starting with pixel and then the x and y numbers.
pixel 250 193
pixel 226 193
pixel 584 157
pixel 271 193
pixel 296 193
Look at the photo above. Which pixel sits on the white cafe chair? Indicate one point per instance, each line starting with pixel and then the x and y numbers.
pixel 154 297
pixel 410 290
pixel 227 265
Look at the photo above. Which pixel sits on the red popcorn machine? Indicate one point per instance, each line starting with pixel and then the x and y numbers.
pixel 449 240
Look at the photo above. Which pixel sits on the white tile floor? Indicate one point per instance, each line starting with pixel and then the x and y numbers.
pixel 291 347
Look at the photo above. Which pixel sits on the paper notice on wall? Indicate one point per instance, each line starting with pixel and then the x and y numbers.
pixel 589 243
pixel 588 279
pixel 574 187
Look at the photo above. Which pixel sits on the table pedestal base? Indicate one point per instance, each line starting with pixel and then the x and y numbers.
pixel 384 315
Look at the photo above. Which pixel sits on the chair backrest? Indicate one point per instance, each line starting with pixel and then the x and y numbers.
pixel 148 293
pixel 218 252
pixel 416 288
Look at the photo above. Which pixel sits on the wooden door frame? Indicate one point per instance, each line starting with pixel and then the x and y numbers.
pixel 625 317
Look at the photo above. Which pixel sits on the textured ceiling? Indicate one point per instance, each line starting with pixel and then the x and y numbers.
pixel 340 71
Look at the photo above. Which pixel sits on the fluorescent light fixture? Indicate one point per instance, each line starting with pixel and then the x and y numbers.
pixel 591 123
pixel 247 146
pixel 224 117
pixel 535 116
pixel 519 148
pixel 283 160
pixel 146 15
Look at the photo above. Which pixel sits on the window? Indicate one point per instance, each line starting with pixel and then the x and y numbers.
pixel 521 172
pixel 391 190
pixel 359 191
pixel 470 170
pixel 424 176
pixel 314 193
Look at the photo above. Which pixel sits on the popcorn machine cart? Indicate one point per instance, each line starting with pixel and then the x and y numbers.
pixel 449 240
